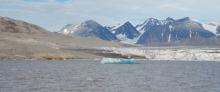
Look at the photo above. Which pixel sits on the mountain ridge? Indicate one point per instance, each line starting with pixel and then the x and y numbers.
pixel 168 30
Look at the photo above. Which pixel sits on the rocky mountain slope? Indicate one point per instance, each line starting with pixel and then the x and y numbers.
pixel 200 41
pixel 196 41
pixel 18 26
pixel 89 28
pixel 22 40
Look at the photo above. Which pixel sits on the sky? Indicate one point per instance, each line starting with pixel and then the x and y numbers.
pixel 53 15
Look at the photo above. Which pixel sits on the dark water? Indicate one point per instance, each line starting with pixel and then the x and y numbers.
pixel 92 76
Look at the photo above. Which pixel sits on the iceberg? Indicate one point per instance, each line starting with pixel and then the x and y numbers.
pixel 98 59
pixel 117 61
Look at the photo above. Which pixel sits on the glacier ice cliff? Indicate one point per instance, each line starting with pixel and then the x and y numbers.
pixel 166 53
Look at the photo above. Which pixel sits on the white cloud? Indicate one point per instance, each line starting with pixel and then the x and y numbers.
pixel 174 6
pixel 54 15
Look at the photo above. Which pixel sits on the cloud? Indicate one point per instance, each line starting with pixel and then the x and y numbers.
pixel 54 14
pixel 174 6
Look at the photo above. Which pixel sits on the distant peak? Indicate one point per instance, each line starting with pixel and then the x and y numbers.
pixel 127 22
pixel 184 19
pixel 68 24
pixel 187 18
pixel 124 23
pixel 151 19
pixel 168 18
pixel 90 21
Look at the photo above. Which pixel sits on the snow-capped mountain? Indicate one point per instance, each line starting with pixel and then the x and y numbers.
pixel 171 30
pixel 147 24
pixel 89 28
pixel 126 32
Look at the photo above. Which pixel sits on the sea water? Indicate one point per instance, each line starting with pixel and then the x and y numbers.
pixel 92 76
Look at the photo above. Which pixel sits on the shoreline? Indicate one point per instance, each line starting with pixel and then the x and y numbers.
pixel 186 54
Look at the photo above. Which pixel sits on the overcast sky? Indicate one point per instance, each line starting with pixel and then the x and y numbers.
pixel 55 14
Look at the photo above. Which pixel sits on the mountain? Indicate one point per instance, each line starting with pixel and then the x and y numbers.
pixel 89 28
pixel 171 30
pixel 125 32
pixel 18 26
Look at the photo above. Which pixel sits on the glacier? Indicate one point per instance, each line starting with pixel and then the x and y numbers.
pixel 169 53
pixel 125 39
pixel 117 61
pixel 212 27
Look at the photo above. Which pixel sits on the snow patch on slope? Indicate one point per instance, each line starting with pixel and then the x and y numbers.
pixel 73 28
pixel 140 28
pixel 194 20
pixel 116 27
pixel 123 38
pixel 65 31
pixel 113 32
pixel 211 28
